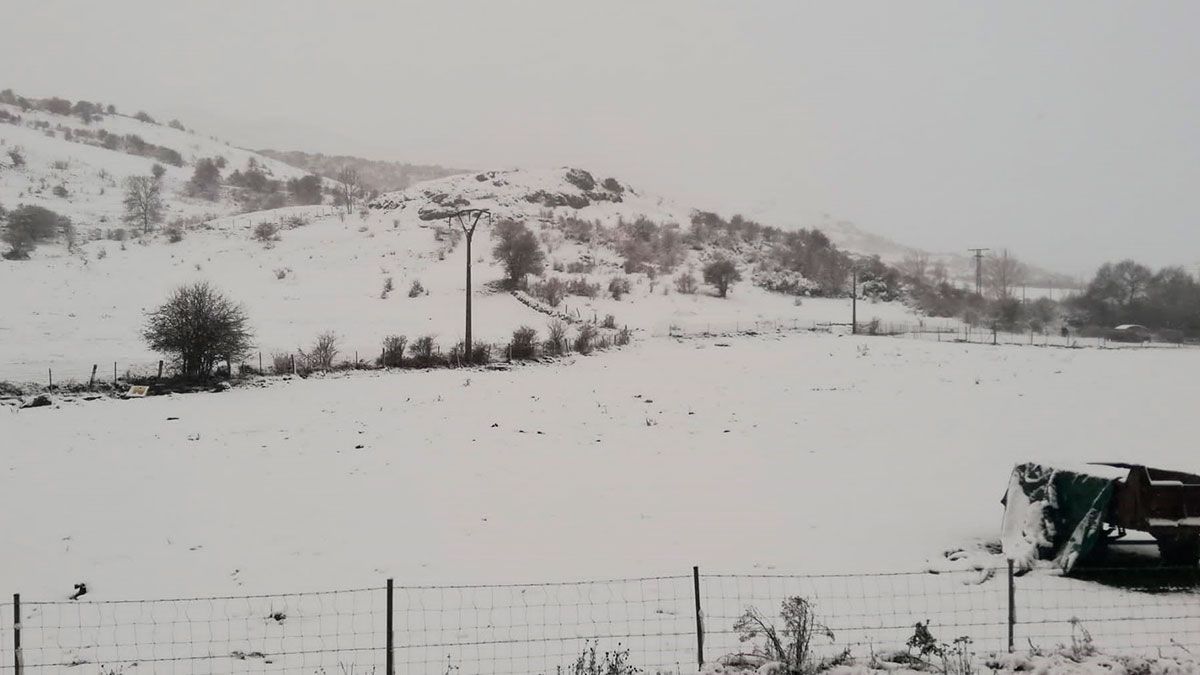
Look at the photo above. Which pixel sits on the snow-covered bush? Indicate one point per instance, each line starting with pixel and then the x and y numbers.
pixel 686 283
pixel 29 226
pixel 517 249
pixel 722 273
pixel 266 231
pixel 619 287
pixel 424 354
pixel 481 354
pixel 295 220
pixel 585 339
pixel 550 291
pixel 581 287
pixel 392 355
pixel 523 341
pixel 416 289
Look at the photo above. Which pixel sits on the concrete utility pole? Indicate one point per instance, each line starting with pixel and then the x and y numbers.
pixel 979 268
pixel 468 219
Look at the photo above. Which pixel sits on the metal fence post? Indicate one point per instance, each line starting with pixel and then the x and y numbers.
pixel 18 666
pixel 699 618
pixel 1012 605
pixel 391 645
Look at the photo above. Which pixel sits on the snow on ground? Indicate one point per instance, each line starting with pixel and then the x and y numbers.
pixel 780 454
pixel 793 453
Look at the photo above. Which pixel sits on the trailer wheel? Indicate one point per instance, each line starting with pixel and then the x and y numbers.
pixel 1182 551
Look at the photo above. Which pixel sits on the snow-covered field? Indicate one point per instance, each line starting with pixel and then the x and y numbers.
pixel 782 454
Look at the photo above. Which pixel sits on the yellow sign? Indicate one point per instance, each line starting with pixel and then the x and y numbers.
pixel 138 390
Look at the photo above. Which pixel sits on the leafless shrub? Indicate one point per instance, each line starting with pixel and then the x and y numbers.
pixel 686 283
pixel 392 355
pixel 324 350
pixel 585 339
pixel 556 336
pixel 790 645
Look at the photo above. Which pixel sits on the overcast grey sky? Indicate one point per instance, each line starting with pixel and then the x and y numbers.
pixel 1066 131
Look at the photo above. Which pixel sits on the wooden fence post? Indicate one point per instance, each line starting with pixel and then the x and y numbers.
pixel 50 371
pixel 699 617
pixel 391 645
pixel 18 666
pixel 1012 605
pixel 92 379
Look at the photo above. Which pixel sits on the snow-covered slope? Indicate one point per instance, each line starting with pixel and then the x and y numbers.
pixel 93 175
pixel 88 307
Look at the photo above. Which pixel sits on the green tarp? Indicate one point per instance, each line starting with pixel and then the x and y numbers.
pixel 1055 514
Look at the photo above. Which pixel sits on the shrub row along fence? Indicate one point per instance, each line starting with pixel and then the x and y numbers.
pixel 658 624
pixel 421 353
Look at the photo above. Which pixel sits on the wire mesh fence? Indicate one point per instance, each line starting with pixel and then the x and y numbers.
pixel 662 624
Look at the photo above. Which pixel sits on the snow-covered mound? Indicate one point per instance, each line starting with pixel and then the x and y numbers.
pixel 530 195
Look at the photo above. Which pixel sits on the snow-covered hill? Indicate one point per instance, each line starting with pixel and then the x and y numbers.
pixel 66 167
pixel 327 270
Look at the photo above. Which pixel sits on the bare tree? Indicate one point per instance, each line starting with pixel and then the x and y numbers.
pixel 197 326
pixel 143 202
pixel 938 273
pixel 915 265
pixel 323 351
pixel 350 188
pixel 1002 273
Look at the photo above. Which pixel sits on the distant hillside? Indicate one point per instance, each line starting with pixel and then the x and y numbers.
pixel 378 175
pixel 959 266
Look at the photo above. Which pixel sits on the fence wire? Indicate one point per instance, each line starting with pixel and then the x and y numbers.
pixel 303 632
pixel 650 622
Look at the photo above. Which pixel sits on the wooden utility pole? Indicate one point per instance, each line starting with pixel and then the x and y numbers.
pixel 854 302
pixel 468 220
